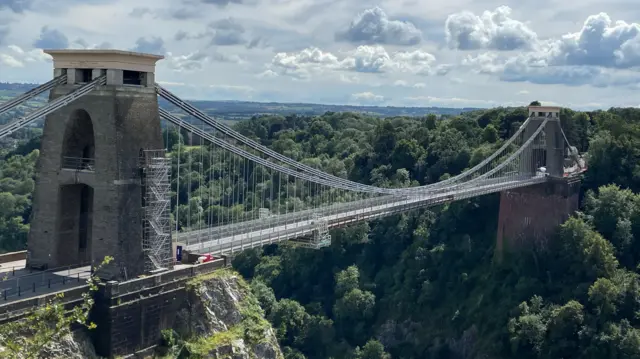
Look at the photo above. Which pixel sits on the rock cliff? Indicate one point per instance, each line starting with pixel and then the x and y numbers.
pixel 222 319
pixel 219 319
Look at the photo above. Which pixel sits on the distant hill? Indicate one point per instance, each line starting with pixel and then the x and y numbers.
pixel 236 110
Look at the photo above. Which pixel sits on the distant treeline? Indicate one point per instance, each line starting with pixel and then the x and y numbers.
pixel 234 110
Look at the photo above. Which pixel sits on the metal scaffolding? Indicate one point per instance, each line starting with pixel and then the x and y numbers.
pixel 156 194
pixel 320 237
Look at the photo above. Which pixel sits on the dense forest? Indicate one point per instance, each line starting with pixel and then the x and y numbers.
pixel 426 284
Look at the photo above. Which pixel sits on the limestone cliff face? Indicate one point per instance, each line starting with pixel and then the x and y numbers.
pixel 76 345
pixel 222 319
pixel 72 345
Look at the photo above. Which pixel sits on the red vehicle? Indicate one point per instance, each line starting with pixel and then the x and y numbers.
pixel 205 258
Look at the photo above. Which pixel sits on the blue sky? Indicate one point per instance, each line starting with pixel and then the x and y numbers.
pixel 455 53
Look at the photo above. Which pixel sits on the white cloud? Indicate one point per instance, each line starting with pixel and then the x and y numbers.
pixel 367 98
pixel 586 57
pixel 10 61
pixel 403 83
pixel 190 62
pixel 17 57
pixel 267 74
pixel 600 42
pixel 372 26
pixel 350 79
pixel 365 59
pixel 196 61
pixel 492 30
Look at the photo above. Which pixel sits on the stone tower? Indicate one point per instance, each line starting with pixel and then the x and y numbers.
pixel 88 196
pixel 550 147
pixel 529 215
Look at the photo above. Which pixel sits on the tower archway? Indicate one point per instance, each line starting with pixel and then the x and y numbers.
pixel 79 142
pixel 75 219
pixel 75 224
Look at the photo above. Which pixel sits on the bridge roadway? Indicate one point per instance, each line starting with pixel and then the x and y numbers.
pixel 244 226
pixel 239 236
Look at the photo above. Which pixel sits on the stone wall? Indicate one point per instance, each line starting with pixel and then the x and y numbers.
pixel 131 315
pixel 529 215
pixel 13 256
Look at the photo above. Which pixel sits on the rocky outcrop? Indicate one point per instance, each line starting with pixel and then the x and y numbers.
pixel 71 345
pixel 222 319
pixel 75 345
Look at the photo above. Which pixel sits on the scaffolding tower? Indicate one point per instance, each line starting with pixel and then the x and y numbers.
pixel 320 237
pixel 156 203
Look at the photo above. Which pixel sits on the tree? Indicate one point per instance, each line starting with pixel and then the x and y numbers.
pixel 347 280
pixel 372 350
pixel 490 134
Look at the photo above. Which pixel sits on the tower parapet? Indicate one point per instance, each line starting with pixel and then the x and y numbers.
pixel 120 67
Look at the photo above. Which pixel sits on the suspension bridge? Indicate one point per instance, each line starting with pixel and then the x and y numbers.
pixel 107 178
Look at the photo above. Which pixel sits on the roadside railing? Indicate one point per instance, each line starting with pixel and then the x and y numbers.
pixel 51 282
pixel 78 164
pixel 14 285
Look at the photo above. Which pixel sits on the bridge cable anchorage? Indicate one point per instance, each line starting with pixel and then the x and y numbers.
pixel 349 185
pixel 52 106
pixel 17 101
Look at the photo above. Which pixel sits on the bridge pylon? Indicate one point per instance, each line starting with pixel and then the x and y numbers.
pixel 88 199
pixel 529 215
pixel 549 147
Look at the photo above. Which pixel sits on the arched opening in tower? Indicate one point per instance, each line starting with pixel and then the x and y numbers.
pixel 75 224
pixel 78 150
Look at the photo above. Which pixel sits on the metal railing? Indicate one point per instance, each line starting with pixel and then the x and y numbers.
pixel 79 164
pixel 22 285
pixel 61 280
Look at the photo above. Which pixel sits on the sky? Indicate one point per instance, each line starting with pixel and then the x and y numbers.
pixel 451 53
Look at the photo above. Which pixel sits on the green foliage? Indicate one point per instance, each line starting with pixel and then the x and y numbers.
pixel 29 337
pixel 16 186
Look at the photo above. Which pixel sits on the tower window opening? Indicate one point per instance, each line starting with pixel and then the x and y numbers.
pixel 84 75
pixel 132 77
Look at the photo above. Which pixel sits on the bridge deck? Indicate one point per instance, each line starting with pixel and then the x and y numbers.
pixel 284 227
